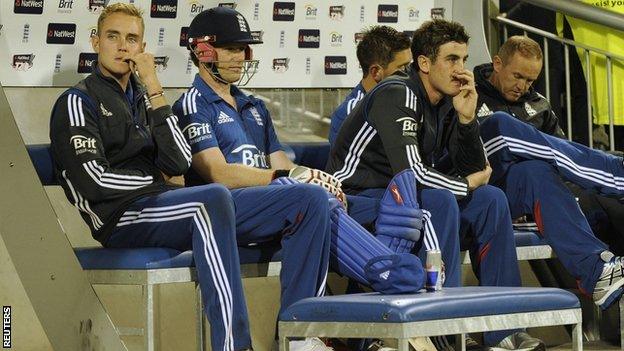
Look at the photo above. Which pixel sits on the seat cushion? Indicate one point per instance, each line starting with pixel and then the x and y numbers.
pixel 444 304
pixel 528 239
pixel 158 258
pixel 135 258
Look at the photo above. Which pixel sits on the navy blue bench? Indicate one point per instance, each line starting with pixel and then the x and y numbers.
pixel 450 311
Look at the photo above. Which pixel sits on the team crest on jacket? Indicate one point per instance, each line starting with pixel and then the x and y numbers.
pixel 105 112
pixel 529 109
pixel 256 116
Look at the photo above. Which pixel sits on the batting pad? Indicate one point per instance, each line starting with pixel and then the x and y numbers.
pixel 400 220
pixel 357 254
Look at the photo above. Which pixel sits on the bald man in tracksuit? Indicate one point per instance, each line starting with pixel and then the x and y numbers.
pixel 530 160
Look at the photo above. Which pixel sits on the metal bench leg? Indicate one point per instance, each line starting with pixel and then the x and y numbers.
pixel 621 324
pixel 403 344
pixel 148 303
pixel 284 343
pixel 577 337
pixel 460 342
pixel 199 316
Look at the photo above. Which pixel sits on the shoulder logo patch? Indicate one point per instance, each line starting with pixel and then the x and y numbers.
pixel 224 118
pixel 409 125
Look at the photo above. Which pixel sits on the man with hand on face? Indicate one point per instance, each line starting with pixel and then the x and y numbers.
pixel 424 120
pixel 530 158
pixel 382 51
pixel 233 142
pixel 116 142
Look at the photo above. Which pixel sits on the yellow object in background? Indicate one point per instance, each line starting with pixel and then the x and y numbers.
pixel 607 39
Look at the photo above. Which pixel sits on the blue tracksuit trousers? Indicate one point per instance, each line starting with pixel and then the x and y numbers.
pixel 299 215
pixel 529 168
pixel 508 140
pixel 202 219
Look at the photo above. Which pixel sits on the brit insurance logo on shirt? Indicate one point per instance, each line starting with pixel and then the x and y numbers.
pixel 61 33
pixel 164 9
pixel 309 38
pixel 283 11
pixel 86 60
pixel 196 132
pixel 31 7
pixel 335 65
pixel 388 13
pixel 83 144
pixel 23 62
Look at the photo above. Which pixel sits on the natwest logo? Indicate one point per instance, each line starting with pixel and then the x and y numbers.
pixel 86 60
pixel 96 6
pixel 310 11
pixel 23 62
pixel 280 65
pixel 284 11
pixel 61 33
pixel 195 8
pixel 388 13
pixel 257 35
pixel 164 9
pixel 335 65
pixel 184 36
pixel 33 7
pixel 309 38
pixel 336 12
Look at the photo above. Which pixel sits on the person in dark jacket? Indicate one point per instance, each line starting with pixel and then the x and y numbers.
pixel 424 120
pixel 116 144
pixel 530 159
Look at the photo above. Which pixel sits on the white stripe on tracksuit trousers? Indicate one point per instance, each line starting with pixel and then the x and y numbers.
pixel 200 217
pixel 509 140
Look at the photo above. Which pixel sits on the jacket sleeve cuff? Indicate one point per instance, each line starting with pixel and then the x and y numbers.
pixel 159 115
